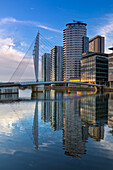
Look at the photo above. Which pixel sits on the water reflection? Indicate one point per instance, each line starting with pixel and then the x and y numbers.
pixel 71 126
pixel 94 115
pixel 80 119
pixel 45 108
pixel 74 142
pixel 53 111
pixel 110 110
pixel 35 126
pixel 8 97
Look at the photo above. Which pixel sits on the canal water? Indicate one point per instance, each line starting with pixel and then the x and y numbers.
pixel 56 131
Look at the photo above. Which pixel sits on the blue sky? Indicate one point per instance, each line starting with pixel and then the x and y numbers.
pixel 20 21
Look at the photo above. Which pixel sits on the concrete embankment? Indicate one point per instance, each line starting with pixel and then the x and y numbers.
pixel 69 88
pixel 79 88
pixel 108 89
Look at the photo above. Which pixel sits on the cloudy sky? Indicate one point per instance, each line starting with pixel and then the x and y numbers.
pixel 21 20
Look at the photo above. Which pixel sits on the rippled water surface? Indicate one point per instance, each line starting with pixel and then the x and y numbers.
pixel 56 130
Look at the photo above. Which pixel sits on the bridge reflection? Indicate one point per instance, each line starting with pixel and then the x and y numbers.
pixel 35 126
pixel 78 119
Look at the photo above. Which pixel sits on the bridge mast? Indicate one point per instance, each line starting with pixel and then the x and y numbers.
pixel 36 56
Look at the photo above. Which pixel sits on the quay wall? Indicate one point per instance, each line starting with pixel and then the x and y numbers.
pixel 69 88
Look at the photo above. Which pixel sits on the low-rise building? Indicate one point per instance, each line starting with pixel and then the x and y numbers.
pixel 96 44
pixel 94 68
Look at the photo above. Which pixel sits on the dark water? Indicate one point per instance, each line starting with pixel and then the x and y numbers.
pixel 62 132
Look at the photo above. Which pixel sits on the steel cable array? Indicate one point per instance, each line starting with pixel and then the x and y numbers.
pixel 44 47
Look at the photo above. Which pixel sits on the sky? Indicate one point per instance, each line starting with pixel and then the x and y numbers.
pixel 21 20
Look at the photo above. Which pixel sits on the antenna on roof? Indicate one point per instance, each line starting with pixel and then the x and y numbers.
pixel 79 21
pixel 74 21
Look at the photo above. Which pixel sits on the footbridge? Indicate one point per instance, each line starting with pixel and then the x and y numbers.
pixel 31 84
pixel 15 82
pixel 38 84
pixel 57 83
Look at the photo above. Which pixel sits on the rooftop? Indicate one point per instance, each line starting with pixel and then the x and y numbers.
pixel 76 22
pixel 90 54
pixel 97 36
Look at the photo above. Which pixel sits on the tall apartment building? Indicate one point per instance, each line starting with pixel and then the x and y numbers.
pixel 46 67
pixel 74 37
pixel 96 44
pixel 56 70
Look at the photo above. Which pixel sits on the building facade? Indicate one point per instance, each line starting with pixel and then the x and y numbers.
pixel 94 68
pixel 96 44
pixel 110 69
pixel 46 67
pixel 73 44
pixel 56 62
pixel 85 44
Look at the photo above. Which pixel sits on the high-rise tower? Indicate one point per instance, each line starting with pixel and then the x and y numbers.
pixel 56 70
pixel 73 39
pixel 46 67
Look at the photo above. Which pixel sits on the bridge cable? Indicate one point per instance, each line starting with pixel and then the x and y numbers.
pixel 21 62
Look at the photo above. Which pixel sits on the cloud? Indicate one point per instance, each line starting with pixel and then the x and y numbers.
pixel 7 51
pixel 18 118
pixel 10 57
pixel 48 28
pixel 23 44
pixel 12 50
pixel 31 23
pixel 32 8
pixel 105 28
pixel 14 114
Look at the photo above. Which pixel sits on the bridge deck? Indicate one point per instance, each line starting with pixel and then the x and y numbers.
pixel 23 84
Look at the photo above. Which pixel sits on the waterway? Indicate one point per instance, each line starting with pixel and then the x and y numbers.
pixel 56 130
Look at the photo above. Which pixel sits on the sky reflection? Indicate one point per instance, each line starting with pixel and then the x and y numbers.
pixel 78 128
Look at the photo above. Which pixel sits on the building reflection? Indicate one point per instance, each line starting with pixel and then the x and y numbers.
pixel 74 135
pixel 83 119
pixel 94 115
pixel 110 112
pixel 80 119
pixel 57 112
pixel 8 97
pixel 53 111
pixel 45 107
